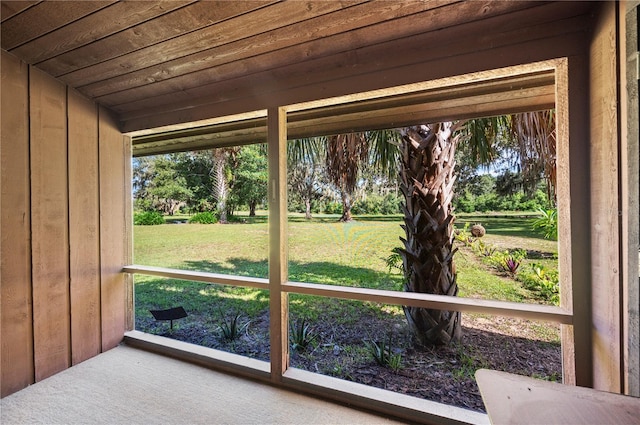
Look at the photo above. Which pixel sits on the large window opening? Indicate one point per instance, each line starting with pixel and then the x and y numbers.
pixel 311 291
pixel 354 223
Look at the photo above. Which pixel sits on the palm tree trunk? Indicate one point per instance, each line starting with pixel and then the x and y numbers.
pixel 426 181
pixel 221 188
pixel 346 206
pixel 307 208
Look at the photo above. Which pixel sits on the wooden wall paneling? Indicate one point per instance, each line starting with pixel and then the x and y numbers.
pixel 16 331
pixel 568 167
pixel 604 187
pixel 278 245
pixel 630 193
pixel 255 76
pixel 84 228
pixel 49 224
pixel 113 246
pixel 11 8
pixel 43 18
pixel 107 21
pixel 182 21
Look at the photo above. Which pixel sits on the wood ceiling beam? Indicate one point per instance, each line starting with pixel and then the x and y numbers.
pixel 519 93
pixel 338 51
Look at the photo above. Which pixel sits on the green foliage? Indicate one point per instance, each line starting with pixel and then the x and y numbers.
pixel 333 208
pixel 250 176
pixel 508 261
pixel 468 203
pixel 394 260
pixel 375 204
pixel 206 217
pixel 542 281
pixel 301 334
pixel 231 327
pixel 384 354
pixel 468 362
pixel 148 218
pixel 464 235
pixel 547 223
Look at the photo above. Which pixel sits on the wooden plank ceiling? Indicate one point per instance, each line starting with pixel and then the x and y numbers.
pixel 152 62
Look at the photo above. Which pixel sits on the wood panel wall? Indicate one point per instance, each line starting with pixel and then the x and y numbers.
pixel 63 245
pixel 606 283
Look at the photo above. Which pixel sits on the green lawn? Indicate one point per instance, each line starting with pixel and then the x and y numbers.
pixel 321 250
pixel 325 251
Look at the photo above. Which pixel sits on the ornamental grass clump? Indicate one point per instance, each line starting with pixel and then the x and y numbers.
pixel 231 327
pixel 384 354
pixel 301 335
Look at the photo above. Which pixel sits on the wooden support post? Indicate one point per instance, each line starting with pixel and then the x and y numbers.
pixel 630 193
pixel 604 148
pixel 278 300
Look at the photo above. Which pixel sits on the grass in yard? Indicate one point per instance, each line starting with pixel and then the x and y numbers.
pixel 321 250
pixel 325 251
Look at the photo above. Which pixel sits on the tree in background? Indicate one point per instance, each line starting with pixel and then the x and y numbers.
pixel 306 176
pixel 250 177
pixel 427 177
pixel 159 186
pixel 221 175
pixel 344 157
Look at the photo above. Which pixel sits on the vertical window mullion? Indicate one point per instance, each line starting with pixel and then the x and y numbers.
pixel 278 275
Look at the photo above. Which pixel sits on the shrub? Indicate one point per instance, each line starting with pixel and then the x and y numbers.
pixel 463 235
pixel 508 261
pixel 204 218
pixel 541 281
pixel 333 208
pixel 148 218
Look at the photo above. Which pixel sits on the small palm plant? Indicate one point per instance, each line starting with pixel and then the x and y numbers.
pixel 547 223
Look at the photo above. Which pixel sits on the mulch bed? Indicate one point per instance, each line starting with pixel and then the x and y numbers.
pixel 442 374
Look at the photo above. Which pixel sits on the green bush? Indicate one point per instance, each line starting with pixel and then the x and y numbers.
pixel 541 281
pixel 333 208
pixel 206 217
pixel 148 218
pixel 468 202
pixel 377 205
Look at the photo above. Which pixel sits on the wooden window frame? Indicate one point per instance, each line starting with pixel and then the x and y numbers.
pixel 574 322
